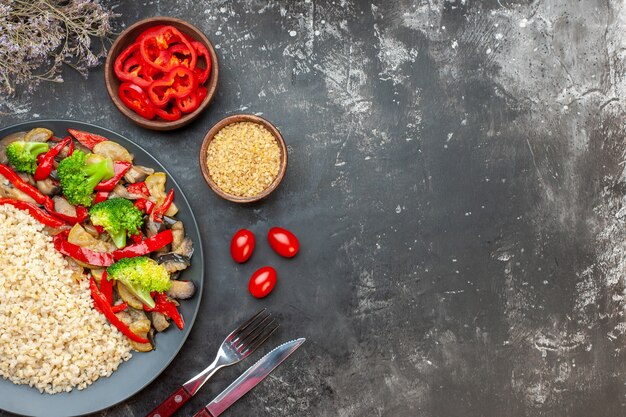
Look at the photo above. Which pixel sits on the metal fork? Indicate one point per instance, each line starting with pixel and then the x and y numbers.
pixel 237 346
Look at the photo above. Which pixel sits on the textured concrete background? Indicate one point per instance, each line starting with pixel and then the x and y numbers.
pixel 456 180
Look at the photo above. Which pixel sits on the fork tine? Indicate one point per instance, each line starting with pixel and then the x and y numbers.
pixel 260 340
pixel 252 336
pixel 250 328
pixel 239 329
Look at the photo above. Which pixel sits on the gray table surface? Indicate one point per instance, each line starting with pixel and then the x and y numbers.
pixel 455 179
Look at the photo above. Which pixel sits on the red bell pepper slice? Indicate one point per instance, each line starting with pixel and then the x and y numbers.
pixel 37 213
pixel 138 75
pixel 170 115
pixel 167 308
pixel 106 288
pixel 145 205
pixel 138 188
pixel 70 148
pixel 136 238
pixel 81 254
pixel 202 73
pixel 180 82
pixel 120 168
pixel 88 140
pixel 188 104
pixel 46 164
pixel 81 215
pixel 159 211
pixel 23 186
pixel 100 301
pixel 136 99
pixel 148 245
pixel 157 41
pixel 101 196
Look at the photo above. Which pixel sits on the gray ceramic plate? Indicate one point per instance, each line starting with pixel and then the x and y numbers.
pixel 142 368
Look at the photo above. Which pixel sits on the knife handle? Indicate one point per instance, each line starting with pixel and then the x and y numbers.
pixel 203 413
pixel 171 404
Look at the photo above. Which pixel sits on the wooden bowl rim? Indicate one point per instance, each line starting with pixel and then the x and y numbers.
pixel 235 119
pixel 160 125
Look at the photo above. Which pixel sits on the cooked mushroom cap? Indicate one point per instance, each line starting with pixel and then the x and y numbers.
pixel 182 289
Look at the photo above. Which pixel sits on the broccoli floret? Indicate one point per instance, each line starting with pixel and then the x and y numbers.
pixel 23 155
pixel 80 173
pixel 119 217
pixel 141 275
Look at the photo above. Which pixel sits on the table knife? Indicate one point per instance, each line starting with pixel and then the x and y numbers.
pixel 249 379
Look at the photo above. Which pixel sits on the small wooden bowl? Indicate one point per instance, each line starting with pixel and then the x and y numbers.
pixel 127 37
pixel 243 118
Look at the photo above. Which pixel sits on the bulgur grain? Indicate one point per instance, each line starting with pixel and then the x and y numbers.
pixel 243 159
pixel 51 338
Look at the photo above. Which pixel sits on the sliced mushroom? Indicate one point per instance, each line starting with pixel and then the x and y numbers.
pixel 159 321
pixel 91 229
pixel 129 297
pixel 181 290
pixel 174 262
pixel 121 191
pixel 137 173
pixel 113 150
pixel 61 205
pixel 169 221
pixel 79 236
pixel 6 141
pixel 38 134
pixel 141 328
pixel 48 187
pixel 178 233
pixel 8 191
pixel 156 186
pixel 185 248
pixel 152 227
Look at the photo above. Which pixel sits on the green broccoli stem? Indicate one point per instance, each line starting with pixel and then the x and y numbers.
pixel 98 171
pixel 36 148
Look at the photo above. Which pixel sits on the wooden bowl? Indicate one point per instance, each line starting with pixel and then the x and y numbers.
pixel 127 37
pixel 243 118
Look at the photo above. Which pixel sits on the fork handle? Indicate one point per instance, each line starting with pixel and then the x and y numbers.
pixel 171 404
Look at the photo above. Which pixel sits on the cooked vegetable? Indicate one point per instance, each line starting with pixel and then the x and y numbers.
pixel 23 155
pixel 79 174
pixel 148 245
pixel 44 169
pixel 113 150
pixel 88 140
pixel 174 262
pixel 84 255
pixel 39 214
pixel 67 212
pixel 159 321
pixel 119 217
pixel 168 308
pixel 142 276
pixel 6 141
pixel 181 290
pixel 38 134
pixel 120 168
pixel 81 237
pixel 48 187
pixel 23 186
pixel 137 173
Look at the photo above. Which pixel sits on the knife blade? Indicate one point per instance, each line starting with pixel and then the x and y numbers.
pixel 250 378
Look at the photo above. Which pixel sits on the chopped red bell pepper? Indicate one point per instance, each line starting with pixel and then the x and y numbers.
pixel 167 308
pixel 88 140
pixel 180 82
pixel 133 75
pixel 106 288
pixel 161 209
pixel 137 238
pixel 138 188
pixel 101 196
pixel 22 185
pixel 202 73
pixel 37 213
pixel 188 104
pixel 119 307
pixel 81 215
pixel 46 164
pixel 100 301
pixel 136 99
pixel 145 205
pixel 170 115
pixel 150 244
pixel 159 40
pixel 120 168
pixel 81 254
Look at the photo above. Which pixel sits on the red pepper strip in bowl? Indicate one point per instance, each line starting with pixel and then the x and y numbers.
pixel 100 301
pixel 136 99
pixel 88 140
pixel 148 245
pixel 81 254
pixel 120 168
pixel 45 166
pixel 106 288
pixel 167 308
pixel 81 215
pixel 170 115
pixel 100 197
pixel 188 104
pixel 178 83
pixel 202 73
pixel 157 41
pixel 159 211
pixel 145 205
pixel 179 55
pixel 38 214
pixel 129 75
pixel 22 185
